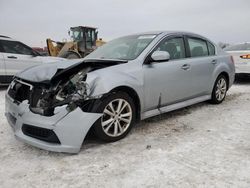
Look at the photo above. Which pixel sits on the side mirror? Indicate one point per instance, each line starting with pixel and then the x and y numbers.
pixel 159 56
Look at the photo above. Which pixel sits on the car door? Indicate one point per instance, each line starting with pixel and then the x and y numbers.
pixel 167 82
pixel 17 57
pixel 203 62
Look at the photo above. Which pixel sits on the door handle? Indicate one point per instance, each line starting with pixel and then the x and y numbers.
pixel 185 66
pixel 12 57
pixel 214 61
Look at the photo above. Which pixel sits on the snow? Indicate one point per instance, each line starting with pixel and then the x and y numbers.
pixel 200 146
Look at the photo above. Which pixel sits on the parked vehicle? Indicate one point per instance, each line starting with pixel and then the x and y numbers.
pixel 126 80
pixel 241 56
pixel 16 56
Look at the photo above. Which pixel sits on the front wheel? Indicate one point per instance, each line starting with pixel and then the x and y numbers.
pixel 118 117
pixel 219 90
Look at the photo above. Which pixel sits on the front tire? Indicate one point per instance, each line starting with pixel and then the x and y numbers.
pixel 219 90
pixel 118 117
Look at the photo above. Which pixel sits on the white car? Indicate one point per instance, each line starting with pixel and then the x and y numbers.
pixel 241 57
pixel 16 56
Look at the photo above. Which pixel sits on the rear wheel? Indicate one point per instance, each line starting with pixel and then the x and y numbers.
pixel 118 117
pixel 219 90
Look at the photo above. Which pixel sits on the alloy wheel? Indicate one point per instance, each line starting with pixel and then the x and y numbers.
pixel 117 116
pixel 221 89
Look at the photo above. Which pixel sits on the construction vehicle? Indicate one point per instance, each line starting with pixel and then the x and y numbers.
pixel 84 41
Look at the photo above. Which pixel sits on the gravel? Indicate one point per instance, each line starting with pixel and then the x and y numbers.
pixel 200 146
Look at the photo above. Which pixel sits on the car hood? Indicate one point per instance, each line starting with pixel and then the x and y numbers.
pixel 63 69
pixel 45 71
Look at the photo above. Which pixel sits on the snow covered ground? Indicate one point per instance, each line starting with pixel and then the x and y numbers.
pixel 200 146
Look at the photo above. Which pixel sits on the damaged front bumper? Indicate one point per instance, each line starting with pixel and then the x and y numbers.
pixel 62 132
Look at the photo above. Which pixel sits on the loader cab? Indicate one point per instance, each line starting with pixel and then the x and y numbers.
pixel 85 37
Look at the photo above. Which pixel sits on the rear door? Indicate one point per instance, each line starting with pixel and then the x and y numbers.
pixel 17 57
pixel 202 64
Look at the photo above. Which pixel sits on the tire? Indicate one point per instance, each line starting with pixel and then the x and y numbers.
pixel 71 55
pixel 113 126
pixel 219 90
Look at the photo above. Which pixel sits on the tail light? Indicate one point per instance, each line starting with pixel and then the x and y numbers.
pixel 247 56
pixel 232 59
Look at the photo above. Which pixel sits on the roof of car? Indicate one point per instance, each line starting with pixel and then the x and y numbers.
pixel 168 32
pixel 172 32
pixel 3 37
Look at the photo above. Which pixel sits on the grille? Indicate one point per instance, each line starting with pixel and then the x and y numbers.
pixel 40 133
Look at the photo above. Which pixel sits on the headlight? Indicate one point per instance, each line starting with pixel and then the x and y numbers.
pixel 71 93
pixel 76 91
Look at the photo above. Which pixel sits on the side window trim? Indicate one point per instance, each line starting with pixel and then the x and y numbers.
pixel 187 49
pixel 208 42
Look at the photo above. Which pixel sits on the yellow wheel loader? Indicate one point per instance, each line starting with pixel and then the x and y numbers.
pixel 84 42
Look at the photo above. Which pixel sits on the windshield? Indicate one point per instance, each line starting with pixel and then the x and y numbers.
pixel 76 34
pixel 124 48
pixel 238 47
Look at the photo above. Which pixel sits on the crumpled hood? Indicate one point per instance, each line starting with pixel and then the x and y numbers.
pixel 45 71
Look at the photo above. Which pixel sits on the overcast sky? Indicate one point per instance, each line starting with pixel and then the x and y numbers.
pixel 32 21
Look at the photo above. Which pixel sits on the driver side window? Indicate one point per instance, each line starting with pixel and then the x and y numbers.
pixel 174 46
pixel 15 47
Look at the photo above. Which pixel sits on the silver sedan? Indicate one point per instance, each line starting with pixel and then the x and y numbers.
pixel 131 78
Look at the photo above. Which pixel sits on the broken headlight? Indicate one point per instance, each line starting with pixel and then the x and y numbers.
pixel 71 93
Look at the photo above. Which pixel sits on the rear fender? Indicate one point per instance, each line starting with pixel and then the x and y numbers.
pixel 225 67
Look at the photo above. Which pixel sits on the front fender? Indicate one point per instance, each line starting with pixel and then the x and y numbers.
pixel 100 83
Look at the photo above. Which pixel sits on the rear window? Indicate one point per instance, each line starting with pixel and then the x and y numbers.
pixel 198 47
pixel 238 47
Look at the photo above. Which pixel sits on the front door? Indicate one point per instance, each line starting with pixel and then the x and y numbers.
pixel 167 82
